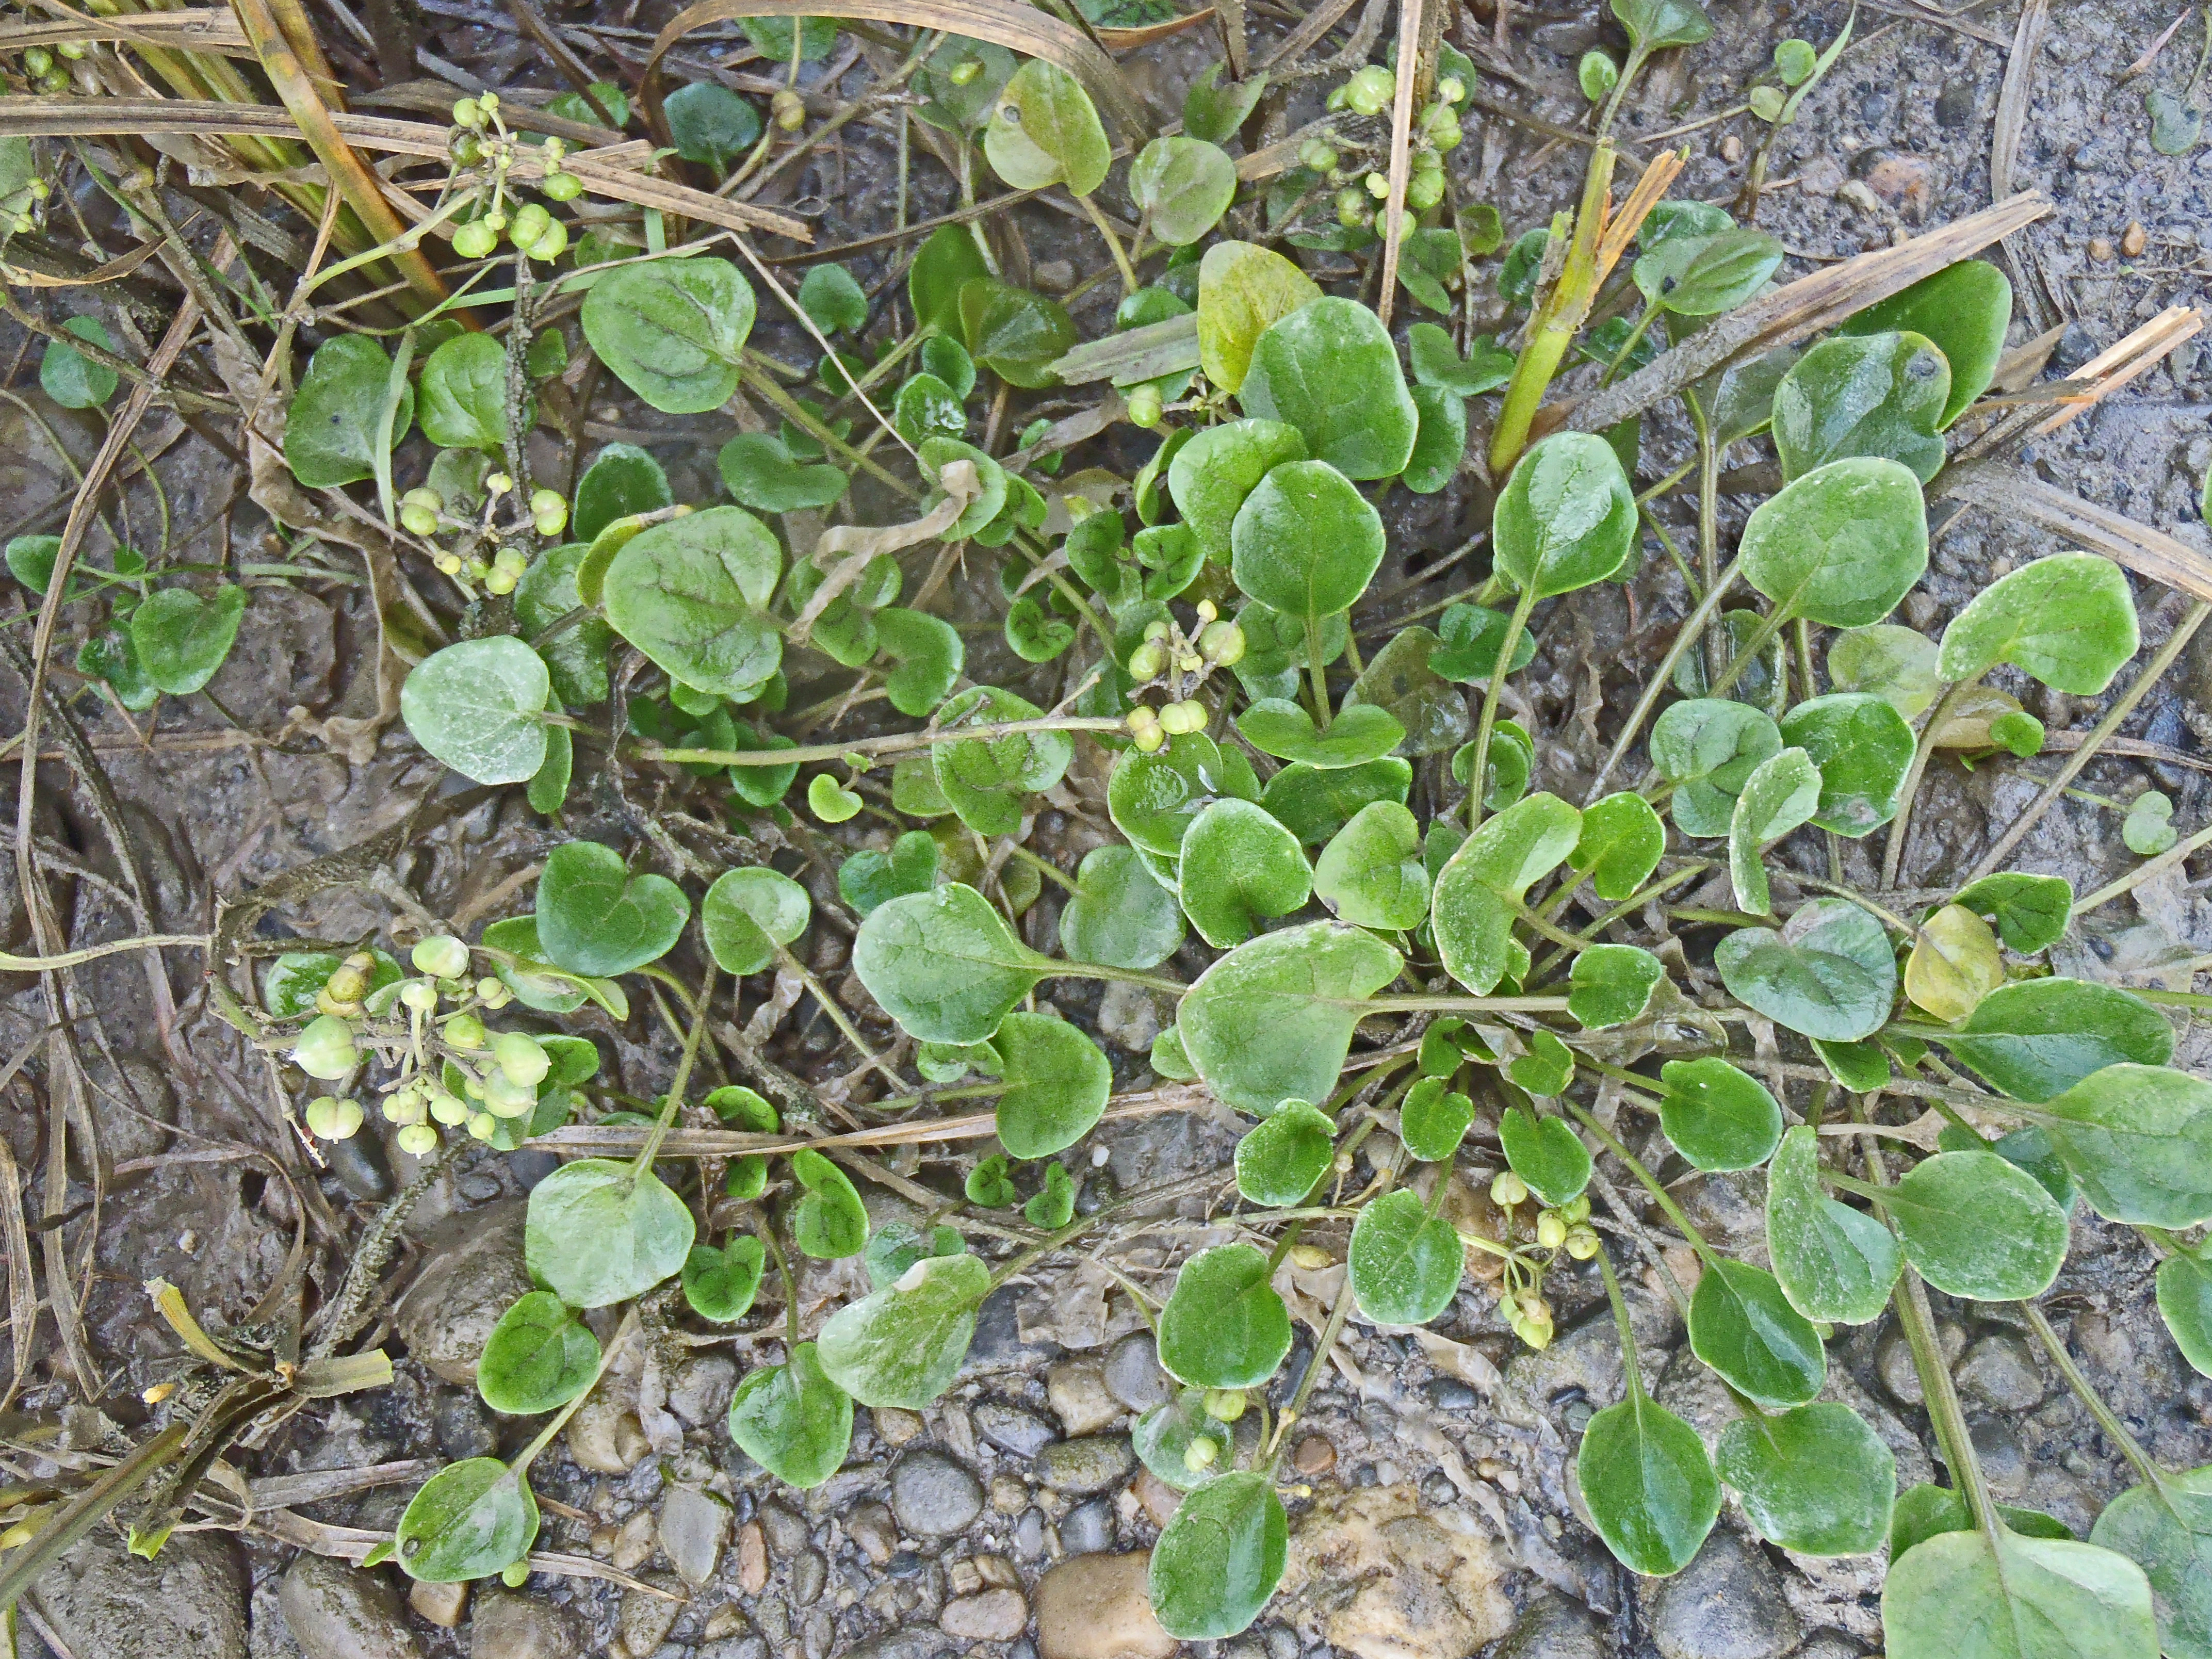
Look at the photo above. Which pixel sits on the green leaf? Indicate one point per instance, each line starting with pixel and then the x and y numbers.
pixel 1708 748
pixel 902 1346
pixel 2139 1140
pixel 1433 1119
pixel 1014 333
pixel 943 964
pixel 1045 131
pixel 622 479
pixel 1743 1327
pixel 760 472
pixel 1546 1069
pixel 1272 1020
pixel 991 1183
pixel 1305 542
pixel 331 428
pixel 1704 276
pixel 1717 1116
pixel 712 125
pixel 1399 681
pixel 2184 1300
pixel 182 638
pixel 1833 1262
pixel 1213 112
pixel 1781 793
pixel 1279 726
pixel 1567 517
pixel 1827 974
pixel 1220 1558
pixel 470 1520
pixel 691 593
pixel 1405 1264
pixel 1314 804
pixel 1329 369
pixel 1239 865
pixel 897 1245
pixel 1840 545
pixel 869 878
pixel 1053 1203
pixel 929 654
pixel 2038 1037
pixel 1922 1512
pixel 673 331
pixel 1653 24
pixel 833 301
pixel 1875 395
pixel 2166 1530
pixel 986 780
pixel 1119 916
pixel 73 380
pixel 1056 1084
pixel 576 657
pixel 1183 187
pixel 1211 475
pixel 927 407
pixel 1976 1225
pixel 829 1221
pixel 1371 874
pixel 1887 661
pixel 721 1284
pixel 2146 831
pixel 1279 1162
pixel 2010 1597
pixel 2175 124
pixel 1242 288
pixel 1963 309
pixel 948 262
pixel 464 395
pixel 1612 984
pixel 599 1233
pixel 1619 845
pixel 537 1358
pixel 1437 363
pixel 475 706
pixel 1648 1486
pixel 2068 620
pixel 1478 893
pixel 750 915
pixel 793 1420
pixel 1547 1153
pixel 1863 748
pixel 597 919
pixel 1223 1327
pixel 1816 1480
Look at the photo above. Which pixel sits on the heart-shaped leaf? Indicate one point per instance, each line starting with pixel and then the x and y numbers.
pixel 332 427
pixel 1612 984
pixel 595 918
pixel 2166 1530
pixel 1405 1264
pixel 869 877
pixel 1154 799
pixel 599 1232
pixel 1119 916
pixel 1828 974
pixel 1279 1162
pixel 749 915
pixel 1816 1480
pixel 1183 186
pixel 1840 546
pixel 1964 309
pixel 1181 1442
pixel 673 331
pixel 1211 475
pixel 463 397
pixel 721 1284
pixel 944 964
pixel 537 1358
pixel 470 1520
pixel 1833 1262
pixel 2184 1301
pixel 2139 1140
pixel 829 1221
pixel 1647 1485
pixel 1314 804
pixel 1863 748
pixel 691 594
pixel 1478 893
pixel 1995 1592
pixel 1717 1116
pixel 1619 845
pixel 1242 290
pixel 1566 517
pixel 1708 748
pixel 182 638
pixel 2030 911
pixel 2068 620
pixel 476 705
pixel 987 779
pixel 1955 963
pixel 793 1420
pixel 1547 1153
pixel 1433 1119
pixel 1330 370
pixel 1272 1020
pixel 1975 1225
pixel 1782 793
pixel 1305 541
pixel 1220 1558
pixel 1371 874
pixel 1885 660
pixel 1045 130
pixel 712 125
pixel 1874 395
pixel 760 472
pixel 1239 865
pixel 1056 1084
pixel 1743 1327
pixel 1278 727
pixel 1224 1326
pixel 902 1346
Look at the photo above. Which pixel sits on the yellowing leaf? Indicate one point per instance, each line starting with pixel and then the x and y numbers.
pixel 1242 289
pixel 1955 963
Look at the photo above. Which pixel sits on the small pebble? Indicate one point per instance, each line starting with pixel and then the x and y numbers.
pixel 1313 1456
pixel 2134 240
pixel 932 1496
pixel 2101 250
pixel 752 1559
pixel 1731 149
pixel 995 1615
pixel 441 1604
pixel 1088 1528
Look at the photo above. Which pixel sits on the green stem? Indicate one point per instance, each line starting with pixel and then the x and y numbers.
pixel 1642 323
pixel 838 1018
pixel 1631 1372
pixel 2115 1431
pixel 1769 626
pixel 1559 318
pixel 1663 676
pixel 2143 872
pixel 1634 900
pixel 1045 866
pixel 1319 674
pixel 675 1100
pixel 1129 284
pixel 528 1455
pixel 1477 772
pixel 1465 1005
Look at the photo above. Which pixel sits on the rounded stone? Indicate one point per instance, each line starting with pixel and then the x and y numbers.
pixel 1133 1376
pixel 932 1496
pixel 1088 1528
pixel 474 1273
pixel 1726 1604
pixel 1097 1606
pixel 509 1624
pixel 992 1615
pixel 189 1604
pixel 335 1611
pixel 1088 1465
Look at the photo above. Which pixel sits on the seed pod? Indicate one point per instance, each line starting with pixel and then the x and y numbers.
pixel 333 1119
pixel 326 1048
pixel 418 1139
pixel 442 955
pixel 1550 1230
pixel 1507 1189
pixel 465 1031
pixel 520 1057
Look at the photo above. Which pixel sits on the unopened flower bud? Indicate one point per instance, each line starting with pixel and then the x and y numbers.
pixel 520 1057
pixel 549 513
pixel 442 955
pixel 465 1031
pixel 1142 405
pixel 326 1048
pixel 333 1119
pixel 1178 718
pixel 788 110
pixel 1550 1230
pixel 1147 660
pixel 417 1140
pixel 1225 1405
pixel 1582 1243
pixel 1199 1456
pixel 1508 1188
pixel 1223 642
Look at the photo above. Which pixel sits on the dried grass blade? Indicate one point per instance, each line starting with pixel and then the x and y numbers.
pixel 201 29
pixel 1802 307
pixel 2014 493
pixel 1401 151
pixel 22 1283
pixel 2141 351
pixel 1010 23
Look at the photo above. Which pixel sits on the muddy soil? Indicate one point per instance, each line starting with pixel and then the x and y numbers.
pixel 1442 1518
